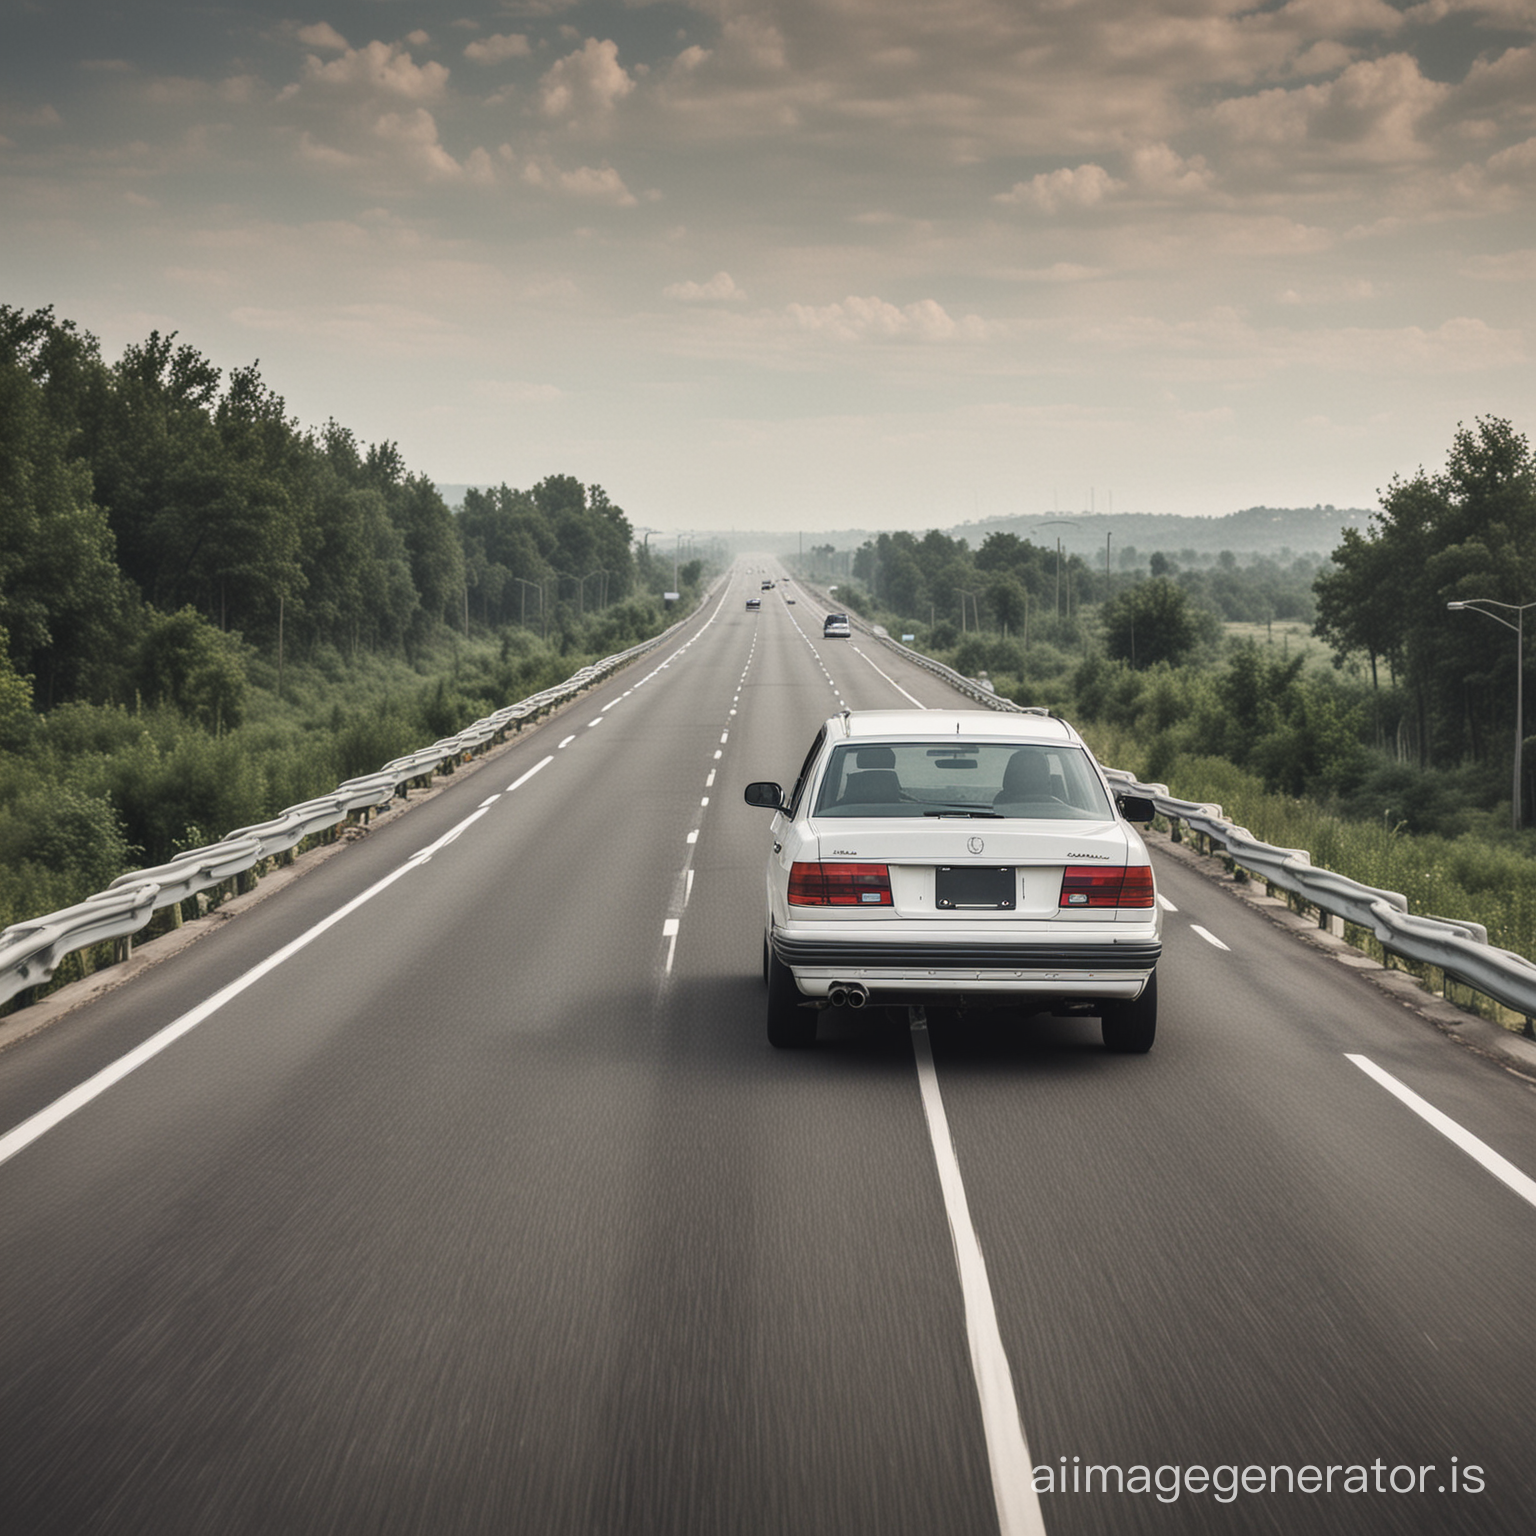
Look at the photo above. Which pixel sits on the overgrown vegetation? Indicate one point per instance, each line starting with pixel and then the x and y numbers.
pixel 208 613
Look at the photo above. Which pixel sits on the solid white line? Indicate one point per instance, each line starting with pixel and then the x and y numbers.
pixel 44 1120
pixel 1209 937
pixel 892 681
pixel 1013 1486
pixel 1500 1167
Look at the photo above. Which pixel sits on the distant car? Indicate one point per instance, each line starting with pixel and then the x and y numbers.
pixel 958 858
pixel 767 586
pixel 754 604
pixel 790 601
pixel 836 627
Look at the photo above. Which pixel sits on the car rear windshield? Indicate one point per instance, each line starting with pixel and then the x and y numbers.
pixel 1016 780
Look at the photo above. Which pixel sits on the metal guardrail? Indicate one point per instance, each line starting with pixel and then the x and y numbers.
pixel 1458 947
pixel 30 951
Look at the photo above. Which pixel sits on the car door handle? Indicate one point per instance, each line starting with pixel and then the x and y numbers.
pixel 778 847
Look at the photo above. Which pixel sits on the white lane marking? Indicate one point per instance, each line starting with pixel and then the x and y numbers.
pixel 1013 1485
pixel 917 704
pixel 568 740
pixel 669 933
pixel 1165 904
pixel 44 1120
pixel 452 835
pixel 519 782
pixel 709 782
pixel 1500 1167
pixel 489 800
pixel 693 836
pixel 1209 937
pixel 591 723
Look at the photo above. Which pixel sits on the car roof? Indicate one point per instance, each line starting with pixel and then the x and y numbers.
pixel 974 724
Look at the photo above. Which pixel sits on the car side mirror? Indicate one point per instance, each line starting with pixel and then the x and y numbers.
pixel 1136 807
pixel 765 793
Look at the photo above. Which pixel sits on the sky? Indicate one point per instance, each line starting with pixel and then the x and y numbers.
pixel 800 264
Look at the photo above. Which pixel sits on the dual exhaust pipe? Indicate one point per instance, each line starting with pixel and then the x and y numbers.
pixel 848 994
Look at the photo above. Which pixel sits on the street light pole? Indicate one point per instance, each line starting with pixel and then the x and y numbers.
pixel 1482 605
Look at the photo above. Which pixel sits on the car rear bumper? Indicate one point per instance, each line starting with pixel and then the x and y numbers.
pixel 898 969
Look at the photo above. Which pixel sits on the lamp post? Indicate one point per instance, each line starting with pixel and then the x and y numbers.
pixel 1058 522
pixel 522 611
pixel 965 592
pixel 603 589
pixel 1483 605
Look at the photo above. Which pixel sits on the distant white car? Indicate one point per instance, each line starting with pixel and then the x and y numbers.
pixel 836 627
pixel 960 858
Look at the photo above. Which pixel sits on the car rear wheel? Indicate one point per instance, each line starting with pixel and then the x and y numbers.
pixel 1130 1028
pixel 790 1026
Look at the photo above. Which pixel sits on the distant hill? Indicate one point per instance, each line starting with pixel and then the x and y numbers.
pixel 1253 531
pixel 1295 531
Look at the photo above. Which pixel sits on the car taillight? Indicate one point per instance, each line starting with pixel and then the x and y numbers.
pixel 839 885
pixel 1093 885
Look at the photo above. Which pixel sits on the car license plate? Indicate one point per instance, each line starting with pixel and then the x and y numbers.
pixel 975 888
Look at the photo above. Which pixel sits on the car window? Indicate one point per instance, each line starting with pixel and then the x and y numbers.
pixel 1014 780
pixel 805 769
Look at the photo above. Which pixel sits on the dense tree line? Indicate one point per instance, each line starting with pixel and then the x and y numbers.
pixel 208 613
pixel 1444 682
pixel 158 517
pixel 1163 610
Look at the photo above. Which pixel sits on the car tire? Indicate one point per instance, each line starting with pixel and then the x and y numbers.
pixel 1130 1028
pixel 765 959
pixel 790 1027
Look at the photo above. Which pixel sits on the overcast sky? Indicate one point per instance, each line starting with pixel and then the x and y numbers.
pixel 800 263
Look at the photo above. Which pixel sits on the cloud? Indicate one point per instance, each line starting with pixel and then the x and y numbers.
pixel 1508 267
pixel 1374 111
pixel 412 136
pixel 1159 171
pixel 498 48
pixel 601 184
pixel 1085 186
pixel 323 35
pixel 381 67
pixel 874 319
pixel 721 287
pixel 585 84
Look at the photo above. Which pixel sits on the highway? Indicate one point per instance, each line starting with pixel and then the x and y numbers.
pixel 456 1189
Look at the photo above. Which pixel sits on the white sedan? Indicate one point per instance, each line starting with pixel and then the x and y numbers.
pixel 959 858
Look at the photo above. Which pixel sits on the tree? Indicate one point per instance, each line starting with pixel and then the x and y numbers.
pixel 1467 532
pixel 186 663
pixel 62 599
pixel 1152 622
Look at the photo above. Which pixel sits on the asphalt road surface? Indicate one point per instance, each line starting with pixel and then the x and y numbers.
pixel 455 1188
